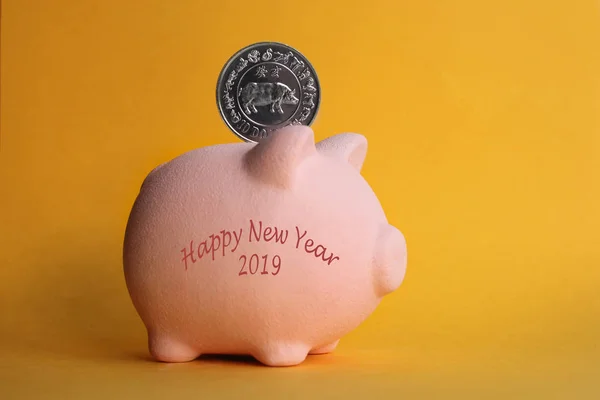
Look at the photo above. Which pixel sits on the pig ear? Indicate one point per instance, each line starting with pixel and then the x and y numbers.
pixel 277 158
pixel 350 147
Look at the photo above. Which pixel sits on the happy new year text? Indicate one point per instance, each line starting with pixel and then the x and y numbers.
pixel 224 242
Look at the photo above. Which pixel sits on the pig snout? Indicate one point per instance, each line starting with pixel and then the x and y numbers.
pixel 390 260
pixel 290 98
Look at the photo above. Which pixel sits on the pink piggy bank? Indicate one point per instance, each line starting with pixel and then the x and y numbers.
pixel 274 250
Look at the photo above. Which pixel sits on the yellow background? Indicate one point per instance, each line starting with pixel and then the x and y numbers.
pixel 483 121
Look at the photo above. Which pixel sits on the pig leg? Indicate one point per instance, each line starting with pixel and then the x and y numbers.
pixel 282 354
pixel 167 349
pixel 328 348
pixel 254 110
pixel 247 106
pixel 279 109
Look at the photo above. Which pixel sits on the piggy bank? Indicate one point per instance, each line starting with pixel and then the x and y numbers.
pixel 274 250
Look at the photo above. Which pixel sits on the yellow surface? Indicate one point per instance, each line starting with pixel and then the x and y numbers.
pixel 483 120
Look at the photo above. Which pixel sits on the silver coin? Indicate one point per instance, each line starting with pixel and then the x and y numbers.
pixel 266 86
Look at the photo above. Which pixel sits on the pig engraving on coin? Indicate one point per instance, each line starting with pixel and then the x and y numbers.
pixel 267 93
pixel 266 86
